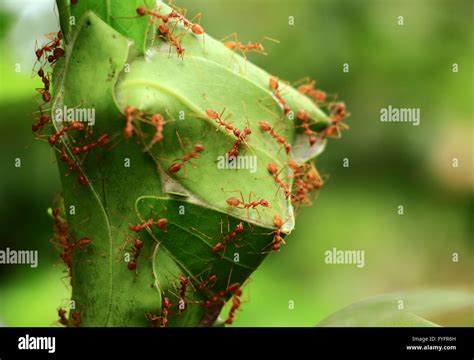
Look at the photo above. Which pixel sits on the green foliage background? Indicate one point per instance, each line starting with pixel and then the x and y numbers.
pixel 390 164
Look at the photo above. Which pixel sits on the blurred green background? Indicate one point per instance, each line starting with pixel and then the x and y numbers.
pixel 391 164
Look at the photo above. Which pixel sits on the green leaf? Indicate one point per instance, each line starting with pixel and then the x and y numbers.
pixel 103 288
pixel 418 307
pixel 180 85
pixel 186 249
pixel 113 60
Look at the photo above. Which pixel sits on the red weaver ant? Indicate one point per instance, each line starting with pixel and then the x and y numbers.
pixel 157 120
pixel 307 180
pixel 130 112
pixel 304 117
pixel 274 86
pixel 66 254
pixel 277 239
pixel 45 94
pixel 184 281
pixel 265 126
pixel 209 282
pixel 217 298
pixel 273 170
pixel 237 45
pixel 308 89
pixel 57 53
pixel 241 204
pixel 62 317
pixel 214 115
pixel 101 141
pixel 61 234
pixel 188 24
pixel 160 224
pixel 60 228
pixel 236 292
pixel 51 46
pixel 75 125
pixel 165 308
pixel 137 248
pixel 234 151
pixel 221 245
pixel 76 318
pixel 177 166
pixel 42 121
pixel 73 167
pixel 337 113
pixel 167 34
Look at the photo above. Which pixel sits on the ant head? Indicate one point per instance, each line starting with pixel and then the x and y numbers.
pixel 236 132
pixel 287 148
pixel 141 11
pixel 138 243
pixel 166 302
pixel 302 115
pixel 247 131
pixel 240 227
pixel 218 247
pixel 197 29
pixel 272 168
pixel 264 125
pixel 264 203
pixel 233 287
pixel 164 29
pixel 199 148
pixel 129 110
pixel 162 223
pixel 82 180
pixel 157 118
pixel 273 82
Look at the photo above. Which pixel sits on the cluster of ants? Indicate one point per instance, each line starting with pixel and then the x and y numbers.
pixel 305 177
pixel 63 239
pixel 167 33
pixel 214 303
pixel 56 52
